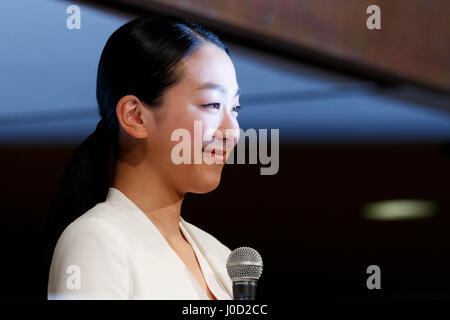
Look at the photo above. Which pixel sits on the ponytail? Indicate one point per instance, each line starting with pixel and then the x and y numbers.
pixel 85 181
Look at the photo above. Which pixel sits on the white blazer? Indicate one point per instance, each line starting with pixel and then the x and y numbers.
pixel 114 251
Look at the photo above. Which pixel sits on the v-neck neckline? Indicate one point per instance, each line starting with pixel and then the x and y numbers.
pixel 119 198
pixel 200 260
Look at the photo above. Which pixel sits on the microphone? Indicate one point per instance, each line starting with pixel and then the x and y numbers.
pixel 244 266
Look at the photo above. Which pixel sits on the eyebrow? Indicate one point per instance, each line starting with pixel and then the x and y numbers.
pixel 214 86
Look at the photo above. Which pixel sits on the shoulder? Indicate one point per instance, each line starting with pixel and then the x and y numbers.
pixel 94 231
pixel 93 252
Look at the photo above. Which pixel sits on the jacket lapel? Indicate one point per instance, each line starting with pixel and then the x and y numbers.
pixel 216 261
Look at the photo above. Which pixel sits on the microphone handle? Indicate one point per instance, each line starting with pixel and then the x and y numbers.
pixel 244 290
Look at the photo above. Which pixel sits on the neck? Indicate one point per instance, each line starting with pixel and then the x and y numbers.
pixel 148 190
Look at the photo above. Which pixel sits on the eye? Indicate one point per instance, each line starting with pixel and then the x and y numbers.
pixel 236 109
pixel 212 105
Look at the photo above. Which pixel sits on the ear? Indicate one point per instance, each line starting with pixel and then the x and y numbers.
pixel 130 117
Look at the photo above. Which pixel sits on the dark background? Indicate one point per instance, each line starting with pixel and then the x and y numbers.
pixel 305 221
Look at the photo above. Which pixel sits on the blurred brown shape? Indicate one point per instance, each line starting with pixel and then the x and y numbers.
pixel 413 42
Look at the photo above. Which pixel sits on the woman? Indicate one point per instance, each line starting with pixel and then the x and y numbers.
pixel 119 201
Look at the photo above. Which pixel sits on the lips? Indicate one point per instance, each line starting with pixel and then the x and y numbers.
pixel 215 152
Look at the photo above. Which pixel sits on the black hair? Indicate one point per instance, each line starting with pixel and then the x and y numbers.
pixel 138 59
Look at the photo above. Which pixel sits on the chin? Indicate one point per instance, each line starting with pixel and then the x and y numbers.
pixel 207 183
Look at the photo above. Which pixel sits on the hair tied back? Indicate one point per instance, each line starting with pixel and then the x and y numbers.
pixel 102 130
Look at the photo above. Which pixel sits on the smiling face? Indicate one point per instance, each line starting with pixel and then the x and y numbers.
pixel 207 92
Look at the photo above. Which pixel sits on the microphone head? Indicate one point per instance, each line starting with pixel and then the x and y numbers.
pixel 244 264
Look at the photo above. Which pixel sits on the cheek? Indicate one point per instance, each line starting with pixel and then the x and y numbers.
pixel 201 126
pixel 194 130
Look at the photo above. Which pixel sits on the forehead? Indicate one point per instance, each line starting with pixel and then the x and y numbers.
pixel 208 64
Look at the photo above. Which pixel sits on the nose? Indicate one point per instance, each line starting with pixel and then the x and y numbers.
pixel 228 131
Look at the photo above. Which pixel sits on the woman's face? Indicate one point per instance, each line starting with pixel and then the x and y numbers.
pixel 207 92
